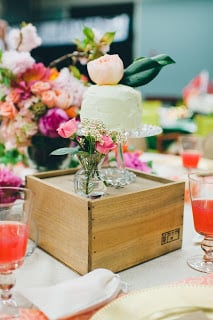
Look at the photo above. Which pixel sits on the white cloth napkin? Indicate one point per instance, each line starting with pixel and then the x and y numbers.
pixel 77 295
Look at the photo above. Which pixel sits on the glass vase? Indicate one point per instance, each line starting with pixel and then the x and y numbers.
pixel 88 181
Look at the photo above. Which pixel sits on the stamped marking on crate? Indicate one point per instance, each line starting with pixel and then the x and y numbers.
pixel 170 236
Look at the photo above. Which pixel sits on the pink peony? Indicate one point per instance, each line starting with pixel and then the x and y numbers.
pixel 106 70
pixel 106 145
pixel 49 123
pixel 9 179
pixel 67 129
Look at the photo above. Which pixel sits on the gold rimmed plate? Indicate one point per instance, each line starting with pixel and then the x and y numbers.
pixel 159 303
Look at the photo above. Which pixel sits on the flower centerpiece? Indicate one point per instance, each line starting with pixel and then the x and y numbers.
pixel 35 99
pixel 92 142
pixel 107 70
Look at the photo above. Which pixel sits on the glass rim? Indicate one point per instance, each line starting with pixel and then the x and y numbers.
pixel 197 176
pixel 27 192
pixel 16 188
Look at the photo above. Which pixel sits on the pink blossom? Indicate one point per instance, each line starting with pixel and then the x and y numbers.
pixel 40 86
pixel 38 72
pixel 13 96
pixel 25 39
pixel 49 123
pixel 17 132
pixel 63 99
pixel 49 98
pixel 17 62
pixel 68 82
pixel 132 160
pixel 27 103
pixel 106 70
pixel 23 90
pixel 9 179
pixel 67 129
pixel 7 109
pixel 105 145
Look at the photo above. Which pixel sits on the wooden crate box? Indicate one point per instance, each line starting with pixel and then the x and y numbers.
pixel 124 228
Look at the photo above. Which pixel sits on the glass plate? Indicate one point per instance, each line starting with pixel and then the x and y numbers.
pixel 146 130
pixel 158 303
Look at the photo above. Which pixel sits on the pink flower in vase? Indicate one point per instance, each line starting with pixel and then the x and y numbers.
pixel 67 129
pixel 106 145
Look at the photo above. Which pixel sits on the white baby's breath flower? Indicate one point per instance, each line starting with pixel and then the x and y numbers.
pixel 25 39
pixel 17 62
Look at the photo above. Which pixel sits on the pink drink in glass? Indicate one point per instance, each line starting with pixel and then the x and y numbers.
pixel 13 243
pixel 190 158
pixel 203 216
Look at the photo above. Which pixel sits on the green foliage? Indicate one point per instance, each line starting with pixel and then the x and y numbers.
pixel 90 47
pixel 12 156
pixel 63 151
pixel 75 71
pixel 143 70
pixel 6 76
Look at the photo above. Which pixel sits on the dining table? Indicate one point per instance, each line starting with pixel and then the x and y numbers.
pixel 42 269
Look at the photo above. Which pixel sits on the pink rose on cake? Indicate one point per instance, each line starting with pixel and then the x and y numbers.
pixel 108 69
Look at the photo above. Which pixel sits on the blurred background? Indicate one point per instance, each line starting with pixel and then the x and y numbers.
pixel 180 28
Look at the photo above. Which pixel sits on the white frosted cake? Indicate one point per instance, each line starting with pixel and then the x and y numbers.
pixel 117 106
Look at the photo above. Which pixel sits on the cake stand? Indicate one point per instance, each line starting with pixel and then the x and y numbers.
pixel 119 176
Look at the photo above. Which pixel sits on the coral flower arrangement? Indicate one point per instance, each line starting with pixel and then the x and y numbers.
pixel 35 99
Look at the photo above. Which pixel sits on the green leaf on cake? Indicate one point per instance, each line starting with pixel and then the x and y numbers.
pixel 143 70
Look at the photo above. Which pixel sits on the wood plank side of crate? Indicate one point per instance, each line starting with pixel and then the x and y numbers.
pixel 63 223
pixel 117 231
pixel 130 230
